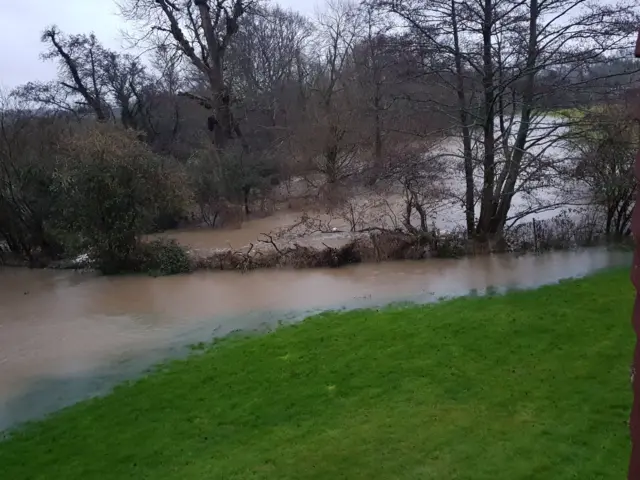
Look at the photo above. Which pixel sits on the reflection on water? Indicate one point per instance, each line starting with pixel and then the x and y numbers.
pixel 68 335
pixel 235 237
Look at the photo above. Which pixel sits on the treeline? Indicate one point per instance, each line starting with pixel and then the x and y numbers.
pixel 235 97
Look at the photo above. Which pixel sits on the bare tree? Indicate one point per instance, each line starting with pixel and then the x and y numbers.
pixel 201 30
pixel 91 79
pixel 374 60
pixel 328 138
pixel 499 58
pixel 80 84
pixel 267 53
pixel 265 63
pixel 126 80
pixel 605 142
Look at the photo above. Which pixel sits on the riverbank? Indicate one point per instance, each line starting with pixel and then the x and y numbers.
pixel 314 244
pixel 474 388
pixel 342 248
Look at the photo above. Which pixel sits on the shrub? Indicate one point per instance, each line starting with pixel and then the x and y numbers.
pixel 164 257
pixel 233 177
pixel 452 245
pixel 28 142
pixel 113 188
pixel 606 140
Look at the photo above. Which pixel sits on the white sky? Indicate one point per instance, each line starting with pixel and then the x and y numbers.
pixel 22 22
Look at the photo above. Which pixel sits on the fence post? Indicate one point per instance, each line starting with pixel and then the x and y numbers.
pixel 634 424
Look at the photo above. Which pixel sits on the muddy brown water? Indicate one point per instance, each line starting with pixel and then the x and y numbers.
pixel 66 336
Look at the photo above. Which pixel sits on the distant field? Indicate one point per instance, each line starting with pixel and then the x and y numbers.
pixel 530 385
pixel 575 113
pixel 568 113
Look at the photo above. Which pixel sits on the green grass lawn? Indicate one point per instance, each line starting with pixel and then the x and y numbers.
pixel 530 385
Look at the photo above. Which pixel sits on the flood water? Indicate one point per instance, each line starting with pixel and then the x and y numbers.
pixel 65 335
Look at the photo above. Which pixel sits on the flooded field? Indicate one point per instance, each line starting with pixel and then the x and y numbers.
pixel 65 335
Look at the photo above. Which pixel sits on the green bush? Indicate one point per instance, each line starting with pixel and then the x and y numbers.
pixel 113 187
pixel 28 143
pixel 164 257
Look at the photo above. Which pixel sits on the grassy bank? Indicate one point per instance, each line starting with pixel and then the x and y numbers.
pixel 530 385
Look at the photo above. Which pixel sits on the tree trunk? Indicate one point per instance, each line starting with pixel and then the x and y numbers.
pixel 378 130
pixel 464 121
pixel 331 167
pixel 486 201
pixel 222 125
pixel 246 190
pixel 508 191
pixel 610 211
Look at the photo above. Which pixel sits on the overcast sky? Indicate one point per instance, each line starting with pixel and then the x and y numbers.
pixel 22 22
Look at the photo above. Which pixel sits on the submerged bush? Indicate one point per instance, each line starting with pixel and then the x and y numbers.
pixel 452 245
pixel 564 231
pixel 113 187
pixel 164 257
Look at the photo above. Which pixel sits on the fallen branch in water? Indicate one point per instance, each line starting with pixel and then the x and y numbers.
pixel 271 242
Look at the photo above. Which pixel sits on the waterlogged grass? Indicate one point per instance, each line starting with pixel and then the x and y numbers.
pixel 530 385
pixel 569 113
